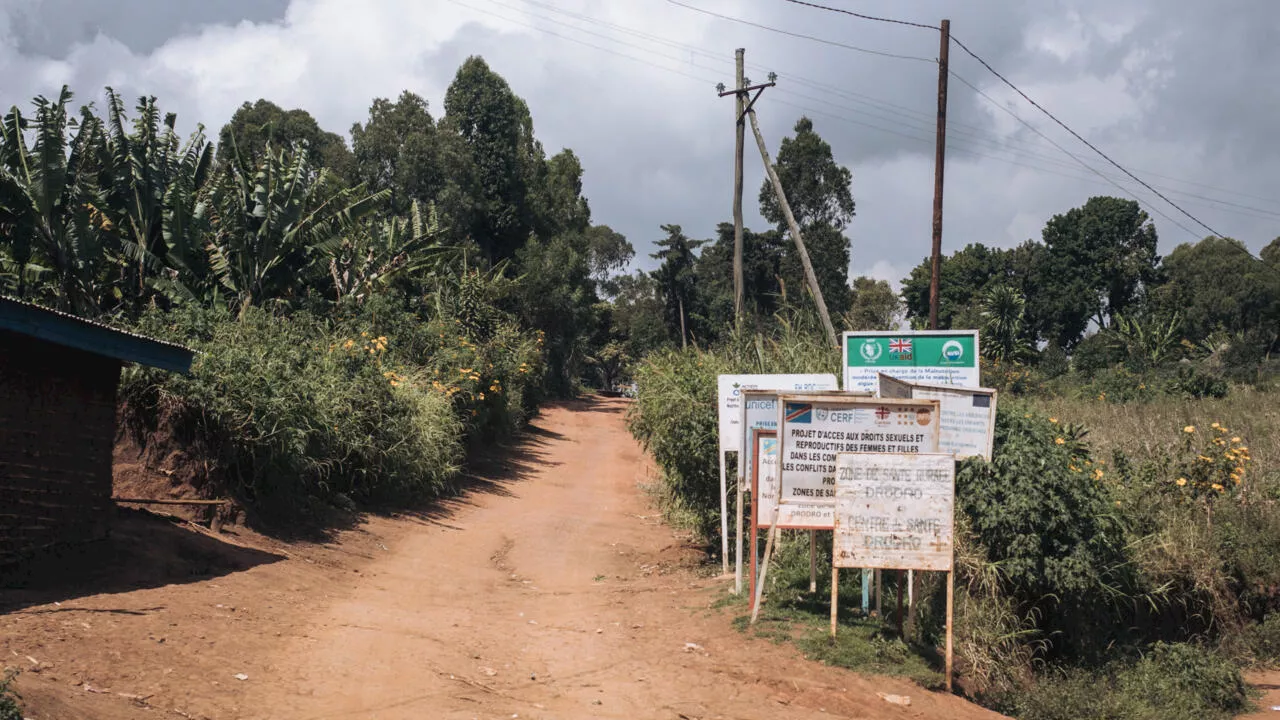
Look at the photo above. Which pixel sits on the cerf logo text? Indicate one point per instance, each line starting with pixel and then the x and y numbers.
pixel 870 350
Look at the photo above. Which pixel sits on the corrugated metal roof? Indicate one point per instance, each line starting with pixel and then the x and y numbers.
pixel 76 332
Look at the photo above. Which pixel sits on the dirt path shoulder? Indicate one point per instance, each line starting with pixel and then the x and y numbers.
pixel 551 590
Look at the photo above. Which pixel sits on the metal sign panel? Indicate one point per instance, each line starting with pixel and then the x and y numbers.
pixel 937 357
pixel 894 511
pixel 968 422
pixel 730 388
pixel 813 429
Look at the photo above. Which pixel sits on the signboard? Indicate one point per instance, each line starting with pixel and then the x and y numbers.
pixel 764 483
pixel 730 389
pixel 894 511
pixel 968 422
pixel 760 412
pixel 934 357
pixel 813 429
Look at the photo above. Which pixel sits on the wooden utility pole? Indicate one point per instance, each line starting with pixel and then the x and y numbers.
pixel 939 162
pixel 795 232
pixel 740 106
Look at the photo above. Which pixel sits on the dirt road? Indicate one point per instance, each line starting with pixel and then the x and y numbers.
pixel 550 590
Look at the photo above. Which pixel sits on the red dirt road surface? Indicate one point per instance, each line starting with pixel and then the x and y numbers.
pixel 549 590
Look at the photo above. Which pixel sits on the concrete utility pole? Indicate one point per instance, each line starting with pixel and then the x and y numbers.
pixel 739 297
pixel 939 162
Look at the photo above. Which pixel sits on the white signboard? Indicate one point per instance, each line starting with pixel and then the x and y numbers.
pixel 932 357
pixel 760 412
pixel 813 429
pixel 894 511
pixel 766 477
pixel 731 387
pixel 968 423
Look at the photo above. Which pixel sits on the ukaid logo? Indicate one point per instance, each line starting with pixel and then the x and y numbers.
pixel 952 352
pixel 799 413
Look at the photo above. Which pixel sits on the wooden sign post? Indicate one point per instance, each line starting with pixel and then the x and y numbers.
pixel 895 512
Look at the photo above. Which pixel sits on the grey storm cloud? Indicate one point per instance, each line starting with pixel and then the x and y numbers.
pixel 1181 91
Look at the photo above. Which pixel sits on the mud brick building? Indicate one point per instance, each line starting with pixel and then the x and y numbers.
pixel 58 380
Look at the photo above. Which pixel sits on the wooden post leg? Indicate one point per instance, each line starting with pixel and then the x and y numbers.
pixel 813 561
pixel 950 607
pixel 764 569
pixel 835 597
pixel 755 551
pixel 879 593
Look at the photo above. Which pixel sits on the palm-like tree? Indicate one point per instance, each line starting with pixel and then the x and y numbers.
pixel 51 220
pixel 152 183
pixel 268 220
pixel 1003 324
pixel 375 254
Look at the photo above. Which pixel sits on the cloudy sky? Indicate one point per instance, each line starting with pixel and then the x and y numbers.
pixel 1185 93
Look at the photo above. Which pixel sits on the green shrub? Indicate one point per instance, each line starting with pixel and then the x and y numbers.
pixel 292 405
pixel 1262 641
pixel 9 697
pixel 1170 682
pixel 1045 518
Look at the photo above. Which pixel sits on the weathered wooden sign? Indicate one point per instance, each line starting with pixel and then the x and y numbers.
pixel 814 429
pixel 894 512
pixel 968 422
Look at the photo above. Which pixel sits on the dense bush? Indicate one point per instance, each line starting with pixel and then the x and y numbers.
pixel 368 402
pixel 9 709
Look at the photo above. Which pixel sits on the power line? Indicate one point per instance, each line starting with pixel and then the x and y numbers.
pixel 864 17
pixel 1081 138
pixel 976 134
pixel 824 41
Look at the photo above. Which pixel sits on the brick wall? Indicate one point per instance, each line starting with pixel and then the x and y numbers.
pixel 57 427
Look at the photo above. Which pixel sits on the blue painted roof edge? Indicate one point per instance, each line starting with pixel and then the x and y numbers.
pixel 68 330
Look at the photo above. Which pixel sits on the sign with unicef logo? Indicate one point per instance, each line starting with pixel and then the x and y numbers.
pixel 937 357
pixel 731 387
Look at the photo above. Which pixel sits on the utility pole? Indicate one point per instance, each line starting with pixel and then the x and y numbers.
pixel 795 232
pixel 809 277
pixel 939 162
pixel 740 107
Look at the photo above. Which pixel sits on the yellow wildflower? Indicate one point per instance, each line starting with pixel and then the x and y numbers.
pixel 348 344
pixel 1217 487
pixel 1060 441
pixel 1053 420
pixel 1097 474
pixel 1215 426
pixel 1235 440
pixel 1189 429
pixel 1182 481
pixel 481 396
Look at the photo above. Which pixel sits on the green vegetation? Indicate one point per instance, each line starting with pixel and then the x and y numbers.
pixel 362 317
pixel 9 698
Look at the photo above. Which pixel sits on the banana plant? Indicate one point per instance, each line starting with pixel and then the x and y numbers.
pixel 152 185
pixel 374 255
pixel 52 226
pixel 267 219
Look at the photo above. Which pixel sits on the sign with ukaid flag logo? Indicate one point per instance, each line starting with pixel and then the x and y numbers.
pixel 937 357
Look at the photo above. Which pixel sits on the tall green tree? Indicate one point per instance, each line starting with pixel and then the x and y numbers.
pixel 1215 286
pixel 559 204
pixel 399 150
pixel 256 125
pixel 1099 259
pixel 819 193
pixel 874 305
pixel 762 257
pixel 677 279
pixel 963 277
pixel 497 133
